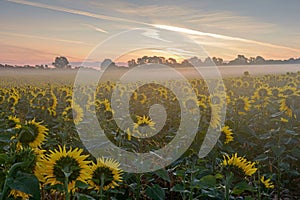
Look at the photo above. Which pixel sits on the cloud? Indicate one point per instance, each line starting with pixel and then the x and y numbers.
pixel 72 11
pixel 96 28
pixel 151 33
pixel 219 36
pixel 42 38
pixel 228 21
pixel 209 19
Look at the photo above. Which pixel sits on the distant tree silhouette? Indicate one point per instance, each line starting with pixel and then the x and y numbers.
pixel 217 61
pixel 208 62
pixel 131 63
pixel 108 63
pixel 61 62
pixel 240 60
pixel 195 61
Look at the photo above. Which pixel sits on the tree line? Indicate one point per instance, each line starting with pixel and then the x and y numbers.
pixel 61 62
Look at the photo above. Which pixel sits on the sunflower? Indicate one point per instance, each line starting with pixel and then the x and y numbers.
pixel 247 167
pixel 73 113
pixel 262 92
pixel 14 122
pixel 246 84
pixel 2 98
pixel 215 119
pixel 16 194
pixel 217 99
pixel 192 105
pixel 34 134
pixel 143 124
pixel 39 165
pixel 287 90
pixel 275 91
pixel 242 104
pixel 142 98
pixel 105 174
pixel 290 103
pixel 284 120
pixel 266 182
pixel 13 99
pixel 228 134
pixel 61 164
pixel 238 83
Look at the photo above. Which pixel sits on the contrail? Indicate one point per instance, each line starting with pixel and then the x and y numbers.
pixel 159 26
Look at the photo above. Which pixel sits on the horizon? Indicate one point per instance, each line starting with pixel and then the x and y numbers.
pixel 34 32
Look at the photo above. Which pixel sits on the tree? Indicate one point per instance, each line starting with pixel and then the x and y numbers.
pixel 218 61
pixel 195 61
pixel 259 60
pixel 131 63
pixel 240 60
pixel 61 62
pixel 107 63
pixel 208 62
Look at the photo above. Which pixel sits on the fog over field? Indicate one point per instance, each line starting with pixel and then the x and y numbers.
pixel 35 75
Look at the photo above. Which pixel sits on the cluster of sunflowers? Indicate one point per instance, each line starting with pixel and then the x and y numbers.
pixel 59 169
pixel 39 139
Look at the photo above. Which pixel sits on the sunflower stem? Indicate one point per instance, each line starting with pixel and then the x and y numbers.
pixel 227 185
pixel 259 188
pixel 101 185
pixel 66 185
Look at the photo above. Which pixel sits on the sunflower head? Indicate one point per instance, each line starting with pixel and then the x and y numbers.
pixel 61 164
pixel 14 122
pixel 242 104
pixel 266 182
pixel 262 92
pixel 33 134
pixel 17 194
pixel 106 174
pixel 241 163
pixel 191 105
pixel 73 113
pixel 228 134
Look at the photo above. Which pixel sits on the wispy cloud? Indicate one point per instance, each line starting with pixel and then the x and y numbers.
pixel 152 9
pixel 42 38
pixel 96 28
pixel 154 34
pixel 223 37
pixel 228 21
pixel 73 11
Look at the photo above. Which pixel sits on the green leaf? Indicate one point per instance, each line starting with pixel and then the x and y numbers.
pixel 296 152
pixel 162 173
pixel 179 188
pixel 26 183
pixel 293 133
pixel 278 150
pixel 5 137
pixel 81 185
pixel 208 181
pixel 261 157
pixel 242 187
pixel 3 158
pixel 155 192
pixel 265 136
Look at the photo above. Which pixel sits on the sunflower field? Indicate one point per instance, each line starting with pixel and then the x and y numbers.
pixel 257 155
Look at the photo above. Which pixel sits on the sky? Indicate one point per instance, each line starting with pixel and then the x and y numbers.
pixel 36 31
